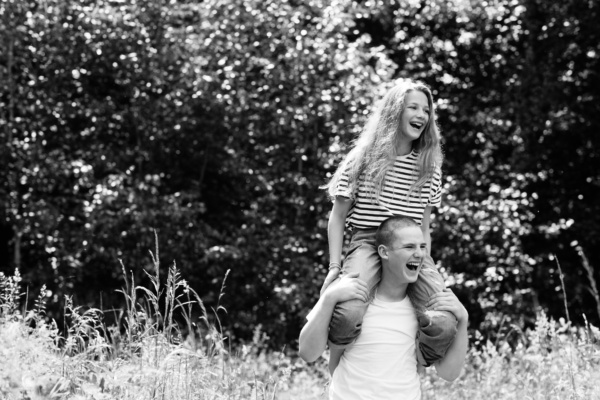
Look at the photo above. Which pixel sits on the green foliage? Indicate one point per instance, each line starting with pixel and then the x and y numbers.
pixel 9 293
pixel 173 120
pixel 562 80
pixel 214 123
pixel 507 75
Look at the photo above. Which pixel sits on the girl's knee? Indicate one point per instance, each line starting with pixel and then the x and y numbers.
pixel 439 323
pixel 351 313
pixel 346 322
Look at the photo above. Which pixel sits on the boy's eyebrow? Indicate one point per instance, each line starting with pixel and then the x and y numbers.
pixel 413 244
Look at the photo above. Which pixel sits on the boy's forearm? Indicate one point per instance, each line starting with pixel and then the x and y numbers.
pixel 450 366
pixel 313 337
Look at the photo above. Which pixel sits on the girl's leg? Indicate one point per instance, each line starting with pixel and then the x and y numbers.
pixel 362 257
pixel 437 329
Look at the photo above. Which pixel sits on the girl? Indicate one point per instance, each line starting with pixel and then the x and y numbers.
pixel 394 168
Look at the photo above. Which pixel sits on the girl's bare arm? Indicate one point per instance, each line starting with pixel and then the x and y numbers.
pixel 425 228
pixel 335 235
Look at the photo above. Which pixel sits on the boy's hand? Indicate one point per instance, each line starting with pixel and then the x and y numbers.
pixel 331 276
pixel 349 287
pixel 447 301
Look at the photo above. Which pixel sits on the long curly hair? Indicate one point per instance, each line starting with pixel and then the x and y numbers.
pixel 374 151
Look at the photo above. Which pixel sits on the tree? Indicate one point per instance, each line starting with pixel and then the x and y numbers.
pixel 215 122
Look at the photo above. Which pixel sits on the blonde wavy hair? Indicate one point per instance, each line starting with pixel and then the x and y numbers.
pixel 374 151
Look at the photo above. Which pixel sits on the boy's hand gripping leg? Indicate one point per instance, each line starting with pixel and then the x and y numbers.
pixel 332 275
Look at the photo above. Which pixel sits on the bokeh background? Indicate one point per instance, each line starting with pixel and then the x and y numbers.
pixel 214 123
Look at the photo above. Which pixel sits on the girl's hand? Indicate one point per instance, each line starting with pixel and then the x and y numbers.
pixel 349 287
pixel 331 276
pixel 447 301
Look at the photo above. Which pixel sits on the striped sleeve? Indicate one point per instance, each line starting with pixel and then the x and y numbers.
pixel 343 187
pixel 435 198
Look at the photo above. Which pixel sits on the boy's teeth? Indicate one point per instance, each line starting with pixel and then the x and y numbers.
pixel 412 266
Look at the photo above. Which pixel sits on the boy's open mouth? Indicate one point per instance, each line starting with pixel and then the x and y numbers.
pixel 413 266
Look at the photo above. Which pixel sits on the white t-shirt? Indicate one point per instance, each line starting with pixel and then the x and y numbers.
pixel 381 364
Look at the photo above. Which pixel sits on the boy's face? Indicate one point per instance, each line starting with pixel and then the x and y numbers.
pixel 405 255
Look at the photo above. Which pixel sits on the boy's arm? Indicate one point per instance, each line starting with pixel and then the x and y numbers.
pixel 313 337
pixel 335 355
pixel 450 366
pixel 335 236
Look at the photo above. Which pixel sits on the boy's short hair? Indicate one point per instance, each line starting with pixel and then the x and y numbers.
pixel 385 233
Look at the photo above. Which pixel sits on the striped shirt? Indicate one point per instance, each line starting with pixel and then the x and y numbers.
pixel 365 213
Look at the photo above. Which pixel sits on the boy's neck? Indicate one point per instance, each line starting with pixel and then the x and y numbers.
pixel 388 290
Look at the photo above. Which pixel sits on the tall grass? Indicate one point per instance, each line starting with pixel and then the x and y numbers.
pixel 552 361
pixel 149 355
pixel 555 360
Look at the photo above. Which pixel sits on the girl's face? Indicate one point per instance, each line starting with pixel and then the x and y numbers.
pixel 415 116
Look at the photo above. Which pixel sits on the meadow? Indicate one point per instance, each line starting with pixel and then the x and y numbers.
pixel 150 356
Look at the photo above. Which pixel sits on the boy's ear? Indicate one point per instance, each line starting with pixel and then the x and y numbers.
pixel 383 252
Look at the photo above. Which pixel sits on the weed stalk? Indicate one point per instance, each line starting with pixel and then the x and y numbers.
pixel 593 289
pixel 562 282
